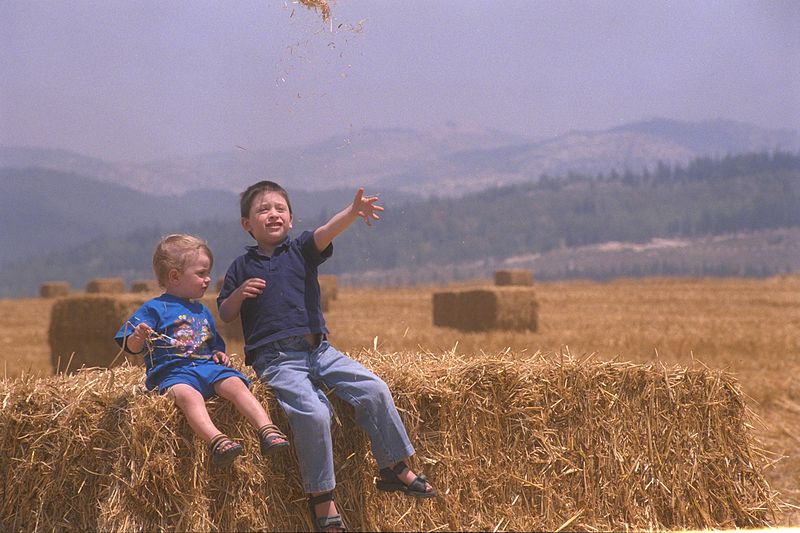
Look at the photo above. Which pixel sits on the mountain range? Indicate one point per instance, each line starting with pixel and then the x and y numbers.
pixel 448 161
pixel 455 196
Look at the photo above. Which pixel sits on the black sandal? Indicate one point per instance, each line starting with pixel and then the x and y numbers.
pixel 223 450
pixel 268 435
pixel 324 523
pixel 390 482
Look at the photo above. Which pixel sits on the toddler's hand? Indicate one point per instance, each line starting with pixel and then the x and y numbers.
pixel 222 358
pixel 252 287
pixel 142 332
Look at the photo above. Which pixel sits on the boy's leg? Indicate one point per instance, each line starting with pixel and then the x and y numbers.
pixel 374 408
pixel 309 415
pixel 372 402
pixel 193 406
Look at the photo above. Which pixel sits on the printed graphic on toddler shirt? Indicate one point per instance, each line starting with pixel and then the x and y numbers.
pixel 190 335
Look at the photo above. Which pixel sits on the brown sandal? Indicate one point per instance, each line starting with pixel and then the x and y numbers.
pixel 271 439
pixel 223 450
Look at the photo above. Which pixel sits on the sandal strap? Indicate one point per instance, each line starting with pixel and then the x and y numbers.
pixel 325 523
pixel 217 441
pixel 420 483
pixel 399 468
pixel 322 498
pixel 270 429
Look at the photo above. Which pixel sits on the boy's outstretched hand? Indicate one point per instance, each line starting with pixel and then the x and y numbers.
pixel 362 206
pixel 365 207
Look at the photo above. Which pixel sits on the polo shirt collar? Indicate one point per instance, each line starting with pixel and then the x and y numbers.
pixel 253 248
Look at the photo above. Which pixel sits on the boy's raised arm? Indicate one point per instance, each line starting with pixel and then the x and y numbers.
pixel 362 206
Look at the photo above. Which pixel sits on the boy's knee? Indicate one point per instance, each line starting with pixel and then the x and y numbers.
pixel 378 389
pixel 319 416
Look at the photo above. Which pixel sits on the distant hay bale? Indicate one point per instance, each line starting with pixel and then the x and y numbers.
pixel 106 285
pixel 231 332
pixel 219 284
pixel 329 285
pixel 82 328
pixel 513 442
pixel 484 309
pixel 53 289
pixel 503 278
pixel 145 285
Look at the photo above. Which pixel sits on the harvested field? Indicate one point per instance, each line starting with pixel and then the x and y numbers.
pixel 748 328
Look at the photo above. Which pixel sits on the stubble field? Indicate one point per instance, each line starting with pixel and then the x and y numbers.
pixel 750 328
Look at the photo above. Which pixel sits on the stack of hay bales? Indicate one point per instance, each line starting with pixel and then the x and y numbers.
pixel 53 289
pixel 513 443
pixel 329 290
pixel 489 308
pixel 503 278
pixel 106 285
pixel 82 329
pixel 145 285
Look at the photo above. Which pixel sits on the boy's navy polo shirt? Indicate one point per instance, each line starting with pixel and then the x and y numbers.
pixel 290 303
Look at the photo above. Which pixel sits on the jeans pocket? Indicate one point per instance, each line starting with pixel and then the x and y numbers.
pixel 263 361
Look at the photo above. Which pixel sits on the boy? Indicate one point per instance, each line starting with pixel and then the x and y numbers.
pixel 274 287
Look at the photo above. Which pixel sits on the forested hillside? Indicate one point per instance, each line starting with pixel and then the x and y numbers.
pixel 706 197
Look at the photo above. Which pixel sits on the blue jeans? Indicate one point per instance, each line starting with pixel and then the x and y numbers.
pixel 297 373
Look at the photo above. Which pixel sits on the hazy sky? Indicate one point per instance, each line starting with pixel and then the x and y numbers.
pixel 142 79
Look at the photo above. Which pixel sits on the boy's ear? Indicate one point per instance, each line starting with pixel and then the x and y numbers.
pixel 246 225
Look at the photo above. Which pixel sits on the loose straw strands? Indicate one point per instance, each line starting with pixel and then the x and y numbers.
pixel 320 6
pixel 512 441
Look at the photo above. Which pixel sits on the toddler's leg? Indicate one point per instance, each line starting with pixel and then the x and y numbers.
pixel 193 406
pixel 191 402
pixel 235 391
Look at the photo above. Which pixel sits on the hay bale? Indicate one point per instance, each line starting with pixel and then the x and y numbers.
pixel 219 284
pixel 53 289
pixel 503 278
pixel 82 329
pixel 106 285
pixel 515 442
pixel 484 309
pixel 145 285
pixel 329 286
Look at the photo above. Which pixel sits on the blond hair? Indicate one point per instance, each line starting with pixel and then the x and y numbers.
pixel 175 251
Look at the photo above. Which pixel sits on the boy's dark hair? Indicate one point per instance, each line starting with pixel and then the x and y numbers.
pixel 254 190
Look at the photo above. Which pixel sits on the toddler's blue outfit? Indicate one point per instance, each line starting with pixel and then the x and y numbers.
pixel 275 324
pixel 184 340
